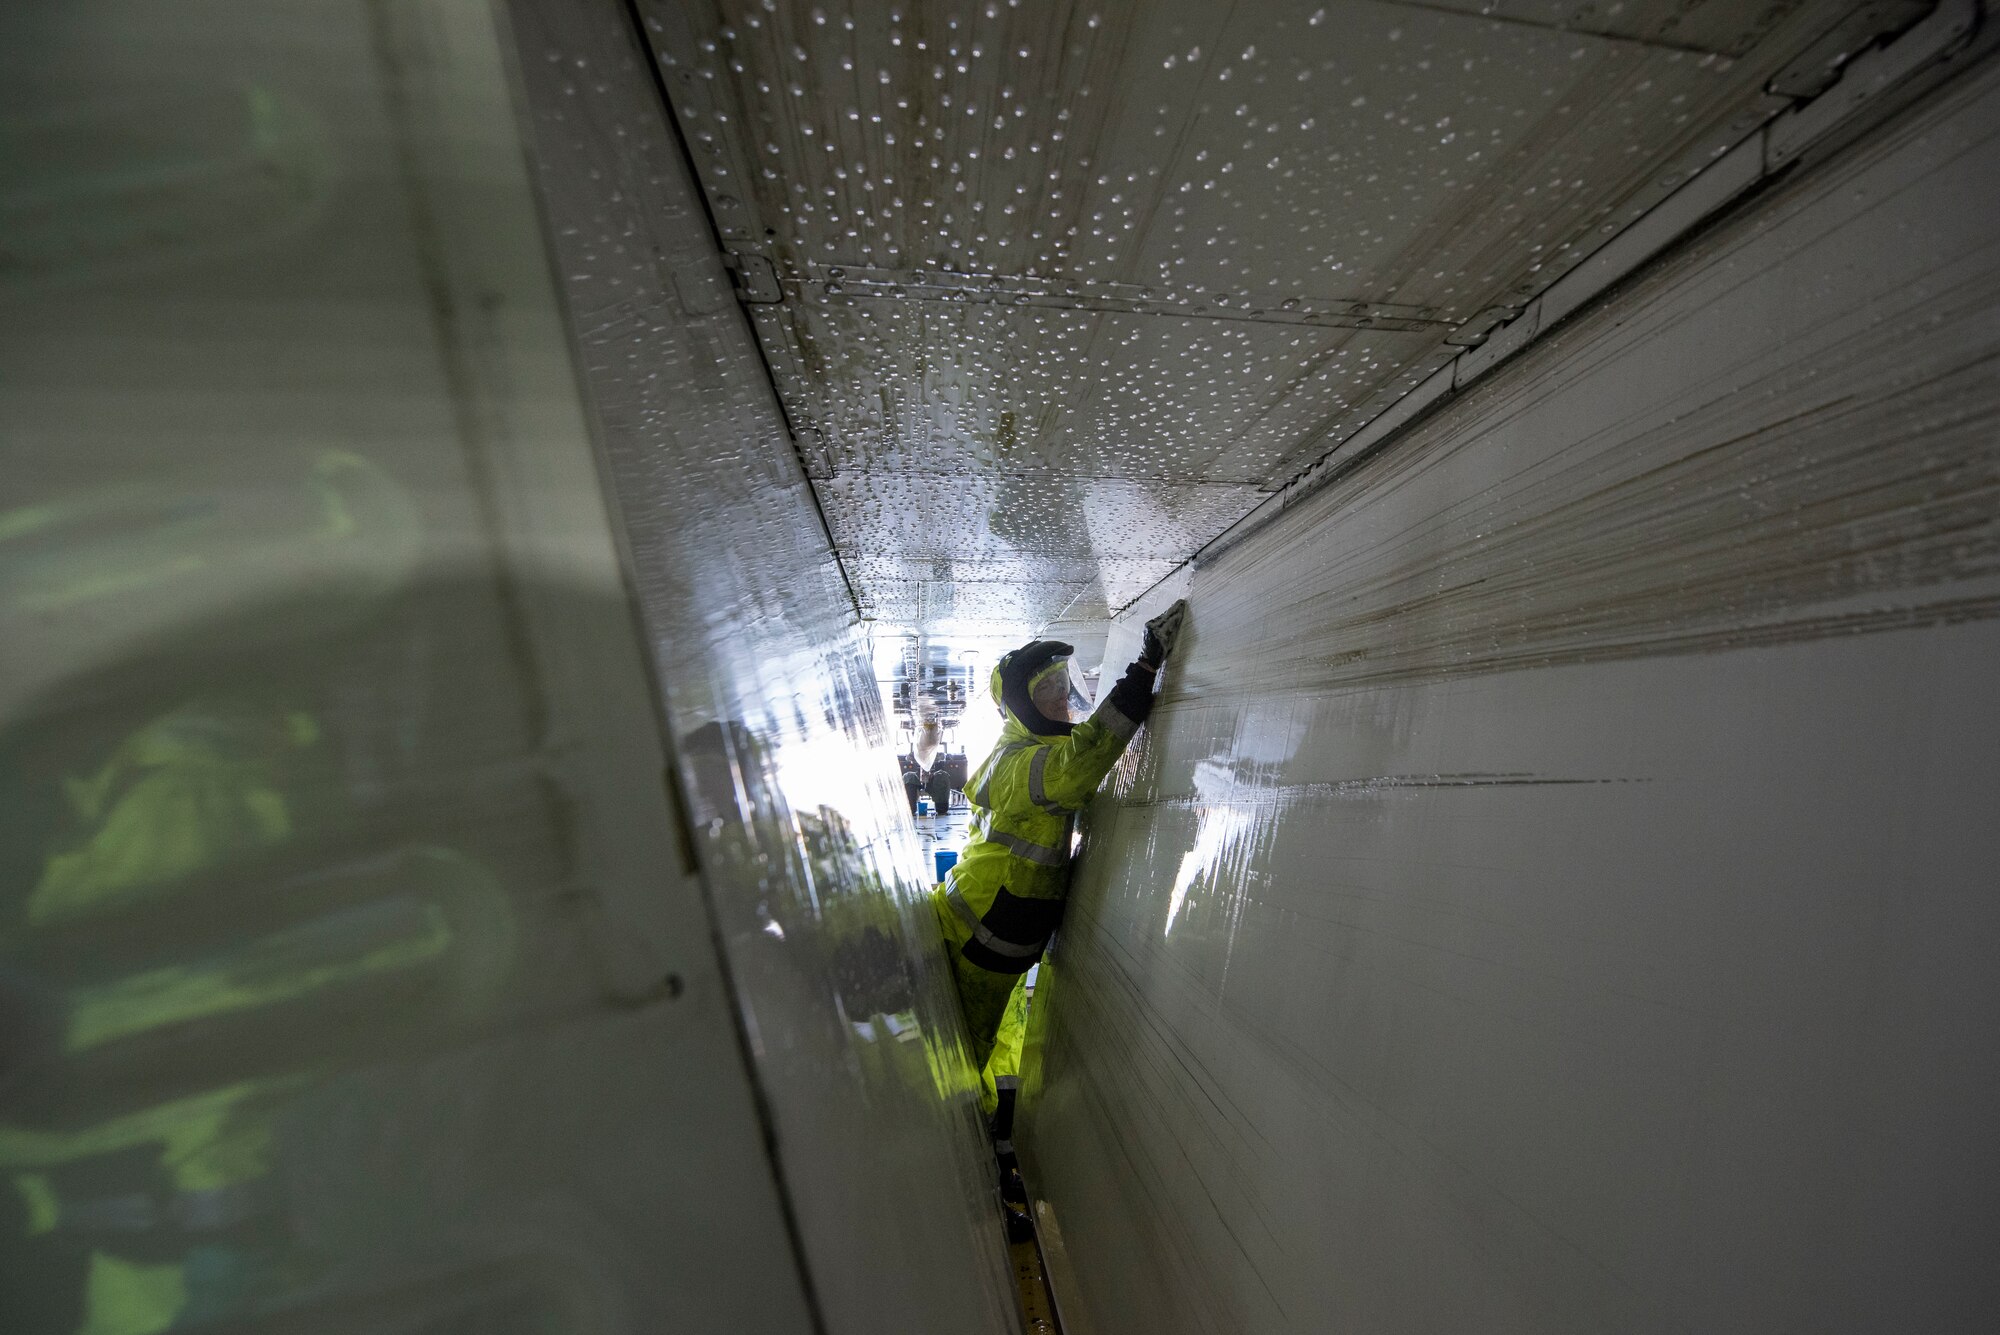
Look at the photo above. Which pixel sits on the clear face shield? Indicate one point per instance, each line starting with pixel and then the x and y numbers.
pixel 1060 691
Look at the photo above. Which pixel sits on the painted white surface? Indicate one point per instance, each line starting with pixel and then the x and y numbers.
pixel 1556 892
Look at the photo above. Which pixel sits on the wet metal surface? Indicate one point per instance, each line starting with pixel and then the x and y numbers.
pixel 371 956
pixel 786 759
pixel 1038 1316
pixel 1048 280
pixel 1555 890
pixel 351 975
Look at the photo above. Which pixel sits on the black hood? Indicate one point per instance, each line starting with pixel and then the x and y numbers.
pixel 1011 679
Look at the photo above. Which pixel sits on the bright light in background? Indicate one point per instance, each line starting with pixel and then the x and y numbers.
pixel 978 728
pixel 821 771
pixel 888 652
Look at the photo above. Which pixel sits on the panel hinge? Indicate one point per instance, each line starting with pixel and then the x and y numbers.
pixel 1873 72
pixel 756 280
pixel 1475 331
pixel 1815 69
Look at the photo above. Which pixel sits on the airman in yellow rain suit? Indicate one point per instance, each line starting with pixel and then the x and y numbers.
pixel 1002 900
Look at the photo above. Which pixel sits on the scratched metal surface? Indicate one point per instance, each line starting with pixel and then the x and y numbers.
pixel 353 972
pixel 1050 279
pixel 1556 890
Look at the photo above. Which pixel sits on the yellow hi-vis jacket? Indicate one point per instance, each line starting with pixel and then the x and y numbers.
pixel 1000 902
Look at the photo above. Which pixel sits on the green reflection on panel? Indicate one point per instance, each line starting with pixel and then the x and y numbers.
pixel 241 581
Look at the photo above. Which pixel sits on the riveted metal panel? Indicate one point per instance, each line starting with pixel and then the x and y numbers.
pixel 1175 242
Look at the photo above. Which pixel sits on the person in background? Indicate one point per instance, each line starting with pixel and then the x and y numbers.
pixel 1001 901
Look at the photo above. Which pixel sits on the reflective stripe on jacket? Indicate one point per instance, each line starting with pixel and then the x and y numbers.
pixel 1004 896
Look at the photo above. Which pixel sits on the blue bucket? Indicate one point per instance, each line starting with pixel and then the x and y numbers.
pixel 947 858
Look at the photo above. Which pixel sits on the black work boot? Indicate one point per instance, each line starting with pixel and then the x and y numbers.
pixel 1013 1191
